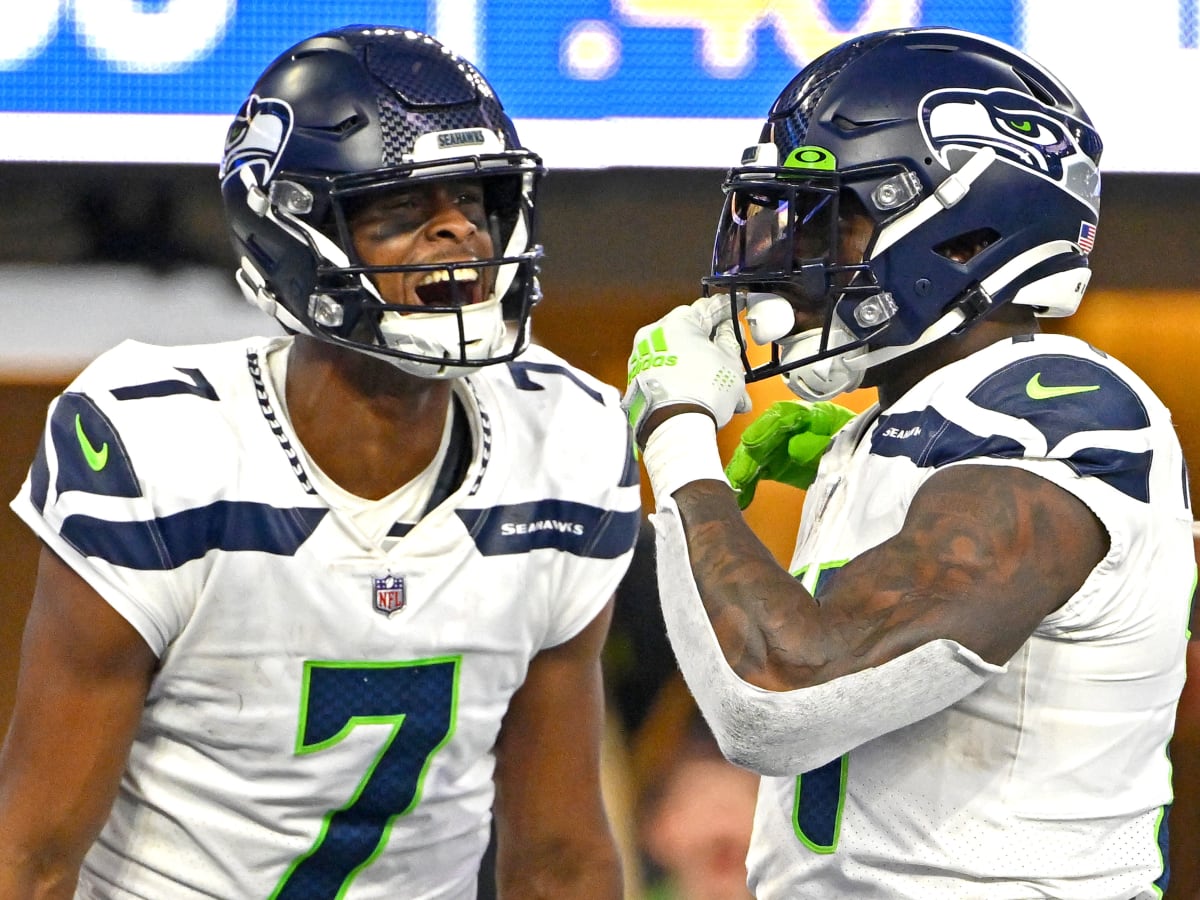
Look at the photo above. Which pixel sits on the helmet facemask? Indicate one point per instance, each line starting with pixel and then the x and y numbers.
pixel 783 255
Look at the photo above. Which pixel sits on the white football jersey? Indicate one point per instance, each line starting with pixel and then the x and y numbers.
pixel 324 717
pixel 1052 779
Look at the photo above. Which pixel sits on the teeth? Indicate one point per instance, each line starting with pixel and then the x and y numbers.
pixel 460 275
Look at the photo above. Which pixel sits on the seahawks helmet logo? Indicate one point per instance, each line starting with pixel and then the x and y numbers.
pixel 1021 131
pixel 257 137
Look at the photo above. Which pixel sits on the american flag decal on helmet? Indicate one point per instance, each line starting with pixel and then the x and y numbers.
pixel 389 594
pixel 1087 236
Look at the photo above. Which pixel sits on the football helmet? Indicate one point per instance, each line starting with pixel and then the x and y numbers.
pixel 974 170
pixel 346 118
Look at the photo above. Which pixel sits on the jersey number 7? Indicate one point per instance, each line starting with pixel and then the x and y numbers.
pixel 419 701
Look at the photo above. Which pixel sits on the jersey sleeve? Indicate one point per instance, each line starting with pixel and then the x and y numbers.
pixel 1087 425
pixel 84 499
pixel 605 556
pixel 588 454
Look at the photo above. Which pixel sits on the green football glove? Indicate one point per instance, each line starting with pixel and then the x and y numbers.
pixel 784 444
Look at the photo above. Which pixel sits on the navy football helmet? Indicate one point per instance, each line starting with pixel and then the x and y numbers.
pixel 945 141
pixel 350 116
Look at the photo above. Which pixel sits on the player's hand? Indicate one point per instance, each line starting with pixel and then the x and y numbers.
pixel 784 444
pixel 688 357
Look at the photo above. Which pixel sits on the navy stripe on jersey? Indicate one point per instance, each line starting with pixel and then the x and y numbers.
pixel 170 541
pixel 1062 396
pixel 521 371
pixel 574 528
pixel 929 439
pixel 197 385
pixel 1129 473
pixel 39 478
pixel 818 805
pixel 91 456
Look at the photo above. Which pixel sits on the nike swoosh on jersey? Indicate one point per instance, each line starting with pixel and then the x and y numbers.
pixel 97 459
pixel 1038 391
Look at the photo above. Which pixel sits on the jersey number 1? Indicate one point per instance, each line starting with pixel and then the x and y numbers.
pixel 418 700
pixel 821 793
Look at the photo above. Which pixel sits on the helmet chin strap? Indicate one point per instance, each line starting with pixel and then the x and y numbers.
pixel 823 379
pixel 1049 291
pixel 826 378
pixel 432 334
pixel 769 318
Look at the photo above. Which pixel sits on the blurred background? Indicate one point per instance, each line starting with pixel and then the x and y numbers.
pixel 112 119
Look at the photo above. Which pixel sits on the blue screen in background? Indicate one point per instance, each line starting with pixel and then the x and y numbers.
pixel 80 72
pixel 550 59
pixel 662 68
pixel 560 64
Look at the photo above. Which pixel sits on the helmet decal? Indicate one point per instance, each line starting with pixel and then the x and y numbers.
pixel 257 136
pixel 1017 127
pixel 812 158
pixel 1087 237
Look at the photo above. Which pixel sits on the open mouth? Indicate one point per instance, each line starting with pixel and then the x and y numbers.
pixel 450 287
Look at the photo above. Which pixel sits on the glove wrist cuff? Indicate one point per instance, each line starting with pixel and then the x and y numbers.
pixel 681 450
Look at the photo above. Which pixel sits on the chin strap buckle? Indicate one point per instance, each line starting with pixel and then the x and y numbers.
pixel 973 303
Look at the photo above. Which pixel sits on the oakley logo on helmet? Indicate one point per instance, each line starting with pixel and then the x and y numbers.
pixel 1020 130
pixel 810 157
pixel 257 136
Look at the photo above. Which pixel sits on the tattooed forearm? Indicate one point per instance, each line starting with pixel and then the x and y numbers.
pixel 757 610
pixel 984 555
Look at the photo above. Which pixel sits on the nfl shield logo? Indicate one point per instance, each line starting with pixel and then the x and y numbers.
pixel 389 594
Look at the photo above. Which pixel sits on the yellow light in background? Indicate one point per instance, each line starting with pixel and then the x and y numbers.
pixel 591 51
pixel 803 28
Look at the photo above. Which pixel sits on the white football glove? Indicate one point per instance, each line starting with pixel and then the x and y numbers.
pixel 689 356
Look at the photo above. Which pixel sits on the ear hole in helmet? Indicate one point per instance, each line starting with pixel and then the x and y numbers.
pixel 343 129
pixel 965 246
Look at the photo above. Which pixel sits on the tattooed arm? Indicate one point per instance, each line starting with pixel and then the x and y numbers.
pixel 985 553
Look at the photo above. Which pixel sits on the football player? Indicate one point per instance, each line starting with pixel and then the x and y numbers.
pixel 313 608
pixel 964 683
